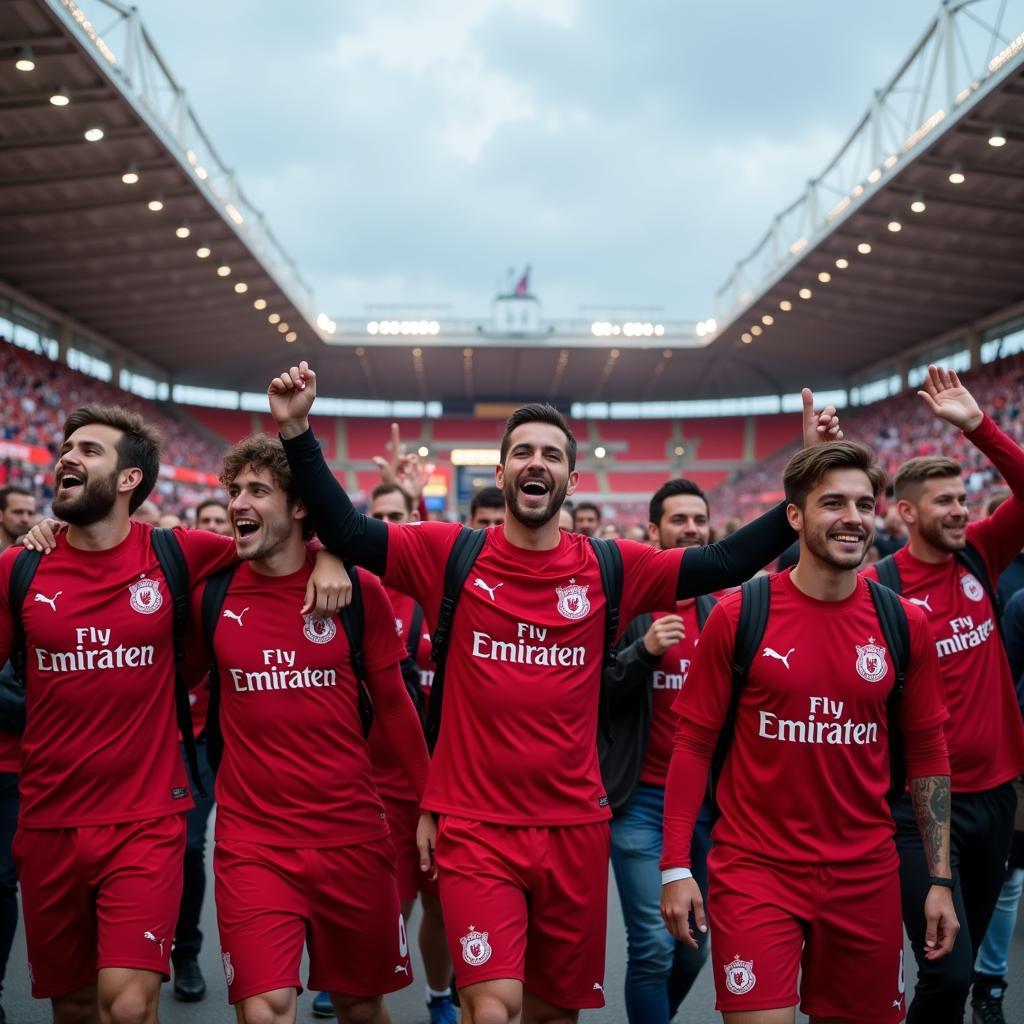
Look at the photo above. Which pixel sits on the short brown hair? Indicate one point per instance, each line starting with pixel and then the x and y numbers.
pixel 539 412
pixel 381 489
pixel 260 451
pixel 915 472
pixel 139 447
pixel 808 467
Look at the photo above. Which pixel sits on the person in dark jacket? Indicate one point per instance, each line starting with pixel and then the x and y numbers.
pixel 642 686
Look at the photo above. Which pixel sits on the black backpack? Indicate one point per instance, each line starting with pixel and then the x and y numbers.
pixel 175 569
pixel 409 666
pixel 754 608
pixel 351 620
pixel 461 559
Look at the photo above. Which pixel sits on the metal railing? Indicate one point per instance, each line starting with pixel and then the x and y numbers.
pixel 967 48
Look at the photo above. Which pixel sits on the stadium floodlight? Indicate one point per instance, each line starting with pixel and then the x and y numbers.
pixel 680 450
pixel 842 263
pixel 918 205
pixel 659 330
pixel 93 134
pixel 223 270
pixel 26 60
pixel 60 97
pixel 701 329
pixel 956 175
pixel 746 338
pixel 283 327
pixel 156 204
pixel 183 231
pixel 785 305
pixel 767 319
pixel 600 452
pixel 260 304
pixel 864 248
pixel 894 225
pixel 805 293
pixel 290 337
pixel 997 138
pixel 372 327
pixel 434 327
pixel 241 287
pixel 756 330
pixel 274 318
pixel 824 277
pixel 423 451
pixel 203 251
pixel 131 175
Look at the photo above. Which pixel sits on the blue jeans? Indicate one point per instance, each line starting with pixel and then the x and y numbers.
pixel 188 939
pixel 995 949
pixel 659 970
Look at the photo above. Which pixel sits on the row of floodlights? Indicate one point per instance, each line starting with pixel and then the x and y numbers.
pixel 420 328
pixel 632 329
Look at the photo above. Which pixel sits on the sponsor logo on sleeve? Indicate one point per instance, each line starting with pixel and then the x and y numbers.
pixel 739 976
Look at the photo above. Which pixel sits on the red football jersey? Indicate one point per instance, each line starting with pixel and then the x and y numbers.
pixel 807 772
pixel 388 775
pixel 984 733
pixel 296 767
pixel 666 682
pixel 101 743
pixel 518 741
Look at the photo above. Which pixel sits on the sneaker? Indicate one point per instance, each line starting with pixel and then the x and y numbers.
pixel 189 984
pixel 442 1010
pixel 987 1000
pixel 322 1005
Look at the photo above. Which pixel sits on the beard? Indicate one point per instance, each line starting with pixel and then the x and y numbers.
pixel 275 536
pixel 935 535
pixel 533 517
pixel 89 503
pixel 817 544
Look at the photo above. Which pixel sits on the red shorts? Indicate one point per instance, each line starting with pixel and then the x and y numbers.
pixel 403 817
pixel 841 924
pixel 527 903
pixel 341 900
pixel 99 896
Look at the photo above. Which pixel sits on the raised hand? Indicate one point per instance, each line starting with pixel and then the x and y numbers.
pixel 390 467
pixel 291 397
pixel 821 427
pixel 950 400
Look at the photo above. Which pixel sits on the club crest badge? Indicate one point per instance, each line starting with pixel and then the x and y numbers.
pixel 476 950
pixel 229 971
pixel 871 663
pixel 740 977
pixel 145 596
pixel 320 631
pixel 573 602
pixel 973 590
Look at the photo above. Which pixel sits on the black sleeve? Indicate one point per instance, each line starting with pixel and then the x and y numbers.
pixel 1013 637
pixel 630 673
pixel 342 530
pixel 730 562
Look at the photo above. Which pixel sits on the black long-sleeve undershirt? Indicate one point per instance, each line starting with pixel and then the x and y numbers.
pixel 364 541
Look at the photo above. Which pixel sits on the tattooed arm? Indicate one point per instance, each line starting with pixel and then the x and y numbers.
pixel 931 809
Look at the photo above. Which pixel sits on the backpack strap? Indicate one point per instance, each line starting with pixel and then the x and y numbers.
pixel 413 630
pixel 461 559
pixel 175 569
pixel 889 574
pixel 892 617
pixel 609 561
pixel 22 573
pixel 755 602
pixel 353 622
pixel 214 592
pixel 970 557
pixel 705 603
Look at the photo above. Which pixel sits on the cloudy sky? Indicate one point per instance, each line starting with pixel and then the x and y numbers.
pixel 410 151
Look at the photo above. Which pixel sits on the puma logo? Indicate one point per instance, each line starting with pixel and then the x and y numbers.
pixel 401 969
pixel 898 1003
pixel 784 658
pixel 921 603
pixel 229 614
pixel 483 586
pixel 153 938
pixel 51 601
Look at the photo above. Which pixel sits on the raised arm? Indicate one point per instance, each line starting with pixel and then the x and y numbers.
pixel 343 530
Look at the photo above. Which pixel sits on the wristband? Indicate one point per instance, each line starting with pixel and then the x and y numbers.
pixel 675 875
pixel 946 883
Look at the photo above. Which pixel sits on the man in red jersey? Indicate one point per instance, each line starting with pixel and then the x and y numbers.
pixel 804 872
pixel 522 847
pixel 103 791
pixel 303 852
pixel 984 732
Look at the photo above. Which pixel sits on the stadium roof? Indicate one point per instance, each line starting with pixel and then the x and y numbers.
pixel 80 242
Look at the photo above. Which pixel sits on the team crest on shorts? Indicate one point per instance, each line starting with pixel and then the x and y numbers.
pixel 871 661
pixel 229 970
pixel 572 600
pixel 476 950
pixel 740 977
pixel 320 631
pixel 145 596
pixel 973 590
